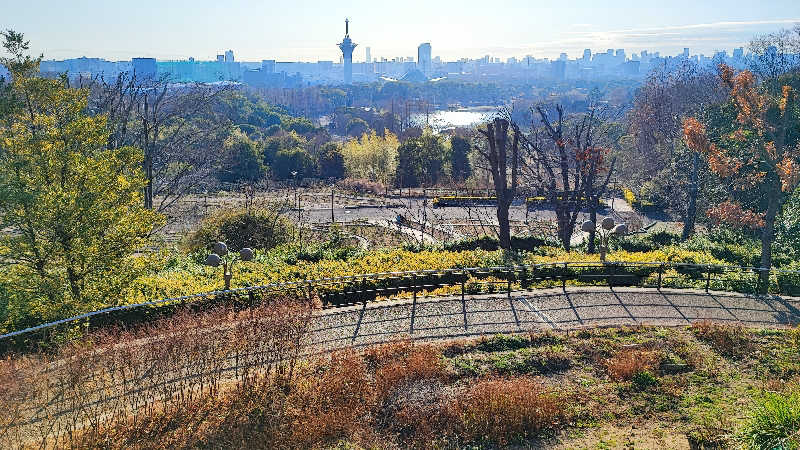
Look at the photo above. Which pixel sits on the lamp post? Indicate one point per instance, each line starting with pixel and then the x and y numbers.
pixel 606 229
pixel 219 257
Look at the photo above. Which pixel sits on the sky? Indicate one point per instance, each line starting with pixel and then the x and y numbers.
pixel 303 30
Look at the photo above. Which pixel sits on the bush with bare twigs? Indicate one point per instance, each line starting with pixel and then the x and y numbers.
pixel 126 376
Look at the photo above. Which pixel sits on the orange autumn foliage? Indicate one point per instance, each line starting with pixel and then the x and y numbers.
pixel 767 157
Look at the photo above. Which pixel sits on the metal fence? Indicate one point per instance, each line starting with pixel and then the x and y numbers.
pixel 349 290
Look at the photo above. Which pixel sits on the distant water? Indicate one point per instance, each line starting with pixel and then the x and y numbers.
pixel 440 120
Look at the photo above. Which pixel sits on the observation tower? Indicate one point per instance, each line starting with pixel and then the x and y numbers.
pixel 347 47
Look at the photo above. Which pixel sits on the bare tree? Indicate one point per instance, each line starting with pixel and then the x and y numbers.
pixel 592 154
pixel 655 121
pixel 177 127
pixel 552 167
pixel 776 53
pixel 498 157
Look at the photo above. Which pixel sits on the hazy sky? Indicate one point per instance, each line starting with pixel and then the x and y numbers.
pixel 309 30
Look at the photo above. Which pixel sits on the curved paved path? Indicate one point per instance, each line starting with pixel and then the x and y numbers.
pixel 449 317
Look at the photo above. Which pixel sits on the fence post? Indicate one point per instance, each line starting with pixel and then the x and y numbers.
pixel 564 278
pixel 414 286
pixel 708 277
pixel 463 280
pixel 660 272
pixel 509 284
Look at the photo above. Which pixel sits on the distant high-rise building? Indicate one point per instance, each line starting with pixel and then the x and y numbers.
pixel 369 55
pixel 621 54
pixel 738 53
pixel 268 65
pixel 220 58
pixel 562 57
pixel 347 46
pixel 558 69
pixel 424 57
pixel 685 53
pixel 229 56
pixel 587 54
pixel 144 68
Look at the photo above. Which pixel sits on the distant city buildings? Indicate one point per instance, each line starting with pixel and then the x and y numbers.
pixel 611 64
pixel 145 68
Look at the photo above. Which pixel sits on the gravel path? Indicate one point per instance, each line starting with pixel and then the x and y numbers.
pixel 449 317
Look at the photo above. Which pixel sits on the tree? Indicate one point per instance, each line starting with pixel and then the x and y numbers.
pixel 243 160
pixel 180 129
pixel 331 161
pixel 754 147
pixel 658 160
pixel 420 161
pixel 72 204
pixel 593 162
pixel 459 158
pixel 371 157
pixel 356 127
pixel 500 154
pixel 293 160
pixel 775 54
pixel 561 160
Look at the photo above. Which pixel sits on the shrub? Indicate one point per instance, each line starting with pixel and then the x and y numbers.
pixel 644 379
pixel 333 405
pixel 789 281
pixel 255 228
pixel 647 242
pixel 728 340
pixel 627 364
pixel 502 342
pixel 399 363
pixel 491 243
pixel 502 410
pixel 774 422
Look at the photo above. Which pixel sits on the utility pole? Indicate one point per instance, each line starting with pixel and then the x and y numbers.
pixel 333 220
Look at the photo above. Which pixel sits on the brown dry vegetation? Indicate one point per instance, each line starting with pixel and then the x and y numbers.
pixel 546 389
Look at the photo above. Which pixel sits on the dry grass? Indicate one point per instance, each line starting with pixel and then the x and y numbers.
pixel 504 410
pixel 625 364
pixel 732 341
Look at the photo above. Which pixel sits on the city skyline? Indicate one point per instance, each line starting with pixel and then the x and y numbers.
pixel 256 32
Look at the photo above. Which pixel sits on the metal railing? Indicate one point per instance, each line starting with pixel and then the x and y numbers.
pixel 357 289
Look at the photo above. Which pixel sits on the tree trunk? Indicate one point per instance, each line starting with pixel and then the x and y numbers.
pixel 691 210
pixel 593 218
pixel 505 227
pixel 767 236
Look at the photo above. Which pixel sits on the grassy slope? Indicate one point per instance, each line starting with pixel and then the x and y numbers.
pixel 601 388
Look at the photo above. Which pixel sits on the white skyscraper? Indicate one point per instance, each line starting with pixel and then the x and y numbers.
pixel 369 55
